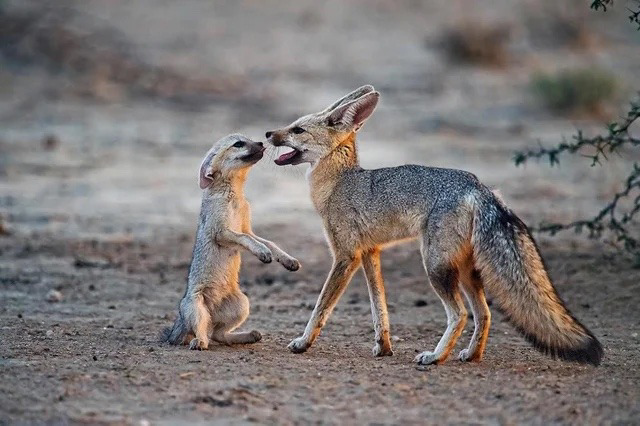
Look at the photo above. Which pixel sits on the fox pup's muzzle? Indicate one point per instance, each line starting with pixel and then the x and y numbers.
pixel 256 151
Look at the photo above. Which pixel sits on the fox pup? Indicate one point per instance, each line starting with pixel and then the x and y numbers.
pixel 213 305
pixel 468 238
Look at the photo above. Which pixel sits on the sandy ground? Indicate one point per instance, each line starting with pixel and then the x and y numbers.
pixel 94 358
pixel 98 199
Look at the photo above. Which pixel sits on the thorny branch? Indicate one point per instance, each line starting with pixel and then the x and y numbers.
pixel 612 217
pixel 634 15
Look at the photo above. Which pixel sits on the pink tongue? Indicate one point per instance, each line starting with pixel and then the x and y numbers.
pixel 286 156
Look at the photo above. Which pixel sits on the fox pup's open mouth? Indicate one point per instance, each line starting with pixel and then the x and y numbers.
pixel 288 158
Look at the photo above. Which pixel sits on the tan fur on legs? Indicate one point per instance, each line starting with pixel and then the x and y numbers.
pixel 474 291
pixel 455 215
pixel 375 284
pixel 202 324
pixel 213 305
pixel 231 313
pixel 339 277
pixel 444 282
pixel 441 257
pixel 230 338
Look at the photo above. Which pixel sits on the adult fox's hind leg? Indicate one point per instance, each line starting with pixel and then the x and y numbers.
pixel 473 289
pixel 443 276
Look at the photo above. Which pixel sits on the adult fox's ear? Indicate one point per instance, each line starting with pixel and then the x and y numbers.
pixel 352 115
pixel 206 170
pixel 350 97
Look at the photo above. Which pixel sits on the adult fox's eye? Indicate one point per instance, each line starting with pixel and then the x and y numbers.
pixel 297 130
pixel 238 144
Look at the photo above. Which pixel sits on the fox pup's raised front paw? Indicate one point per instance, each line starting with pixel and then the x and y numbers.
pixel 265 255
pixel 299 345
pixel 290 263
pixel 198 345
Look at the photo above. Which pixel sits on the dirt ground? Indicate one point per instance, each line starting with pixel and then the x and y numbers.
pixel 105 111
pixel 93 357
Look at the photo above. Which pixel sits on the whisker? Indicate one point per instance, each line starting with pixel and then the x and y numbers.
pixel 282 172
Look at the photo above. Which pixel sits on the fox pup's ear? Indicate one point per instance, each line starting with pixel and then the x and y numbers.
pixel 350 97
pixel 352 115
pixel 206 177
pixel 206 170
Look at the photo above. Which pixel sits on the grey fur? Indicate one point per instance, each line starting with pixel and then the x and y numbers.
pixel 213 305
pixel 468 239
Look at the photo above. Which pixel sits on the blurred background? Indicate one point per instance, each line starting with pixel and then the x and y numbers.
pixel 106 108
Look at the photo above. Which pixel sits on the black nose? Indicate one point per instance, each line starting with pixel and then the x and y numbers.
pixel 260 143
pixel 268 134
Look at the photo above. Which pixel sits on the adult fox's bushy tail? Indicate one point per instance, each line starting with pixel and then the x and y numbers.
pixel 513 271
pixel 176 333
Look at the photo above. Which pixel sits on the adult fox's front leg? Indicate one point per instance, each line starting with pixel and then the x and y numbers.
pixel 341 272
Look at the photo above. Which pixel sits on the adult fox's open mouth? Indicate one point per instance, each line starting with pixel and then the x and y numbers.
pixel 288 157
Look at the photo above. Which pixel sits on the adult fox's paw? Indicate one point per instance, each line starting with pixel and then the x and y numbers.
pixel 382 350
pixel 299 345
pixel 465 355
pixel 427 358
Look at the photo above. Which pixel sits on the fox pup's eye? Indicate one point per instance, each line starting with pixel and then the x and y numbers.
pixel 297 130
pixel 238 144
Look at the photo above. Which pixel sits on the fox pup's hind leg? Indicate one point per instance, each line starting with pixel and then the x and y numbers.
pixel 473 288
pixel 229 315
pixel 199 319
pixel 221 335
pixel 443 276
pixel 375 284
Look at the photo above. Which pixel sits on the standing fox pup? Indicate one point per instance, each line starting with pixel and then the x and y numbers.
pixel 213 305
pixel 468 237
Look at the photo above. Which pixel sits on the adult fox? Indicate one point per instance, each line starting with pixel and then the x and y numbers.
pixel 469 240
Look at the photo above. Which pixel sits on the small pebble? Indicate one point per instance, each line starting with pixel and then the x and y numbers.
pixel 49 333
pixel 54 296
